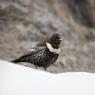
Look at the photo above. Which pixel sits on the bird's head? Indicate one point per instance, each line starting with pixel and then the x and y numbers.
pixel 55 40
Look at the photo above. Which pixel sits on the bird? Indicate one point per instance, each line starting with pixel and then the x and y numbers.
pixel 44 53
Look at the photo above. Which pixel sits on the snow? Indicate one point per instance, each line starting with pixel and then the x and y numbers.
pixel 20 80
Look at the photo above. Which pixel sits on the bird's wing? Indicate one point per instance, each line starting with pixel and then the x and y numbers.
pixel 27 54
pixel 33 51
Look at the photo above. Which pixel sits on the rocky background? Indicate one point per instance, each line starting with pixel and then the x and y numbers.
pixel 23 23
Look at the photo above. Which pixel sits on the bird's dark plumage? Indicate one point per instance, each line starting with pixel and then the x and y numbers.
pixel 44 53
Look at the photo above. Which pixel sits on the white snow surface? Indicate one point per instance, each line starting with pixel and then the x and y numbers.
pixel 19 80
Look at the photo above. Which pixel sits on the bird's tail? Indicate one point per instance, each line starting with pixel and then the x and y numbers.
pixel 15 61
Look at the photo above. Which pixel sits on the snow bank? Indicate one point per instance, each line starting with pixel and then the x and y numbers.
pixel 20 80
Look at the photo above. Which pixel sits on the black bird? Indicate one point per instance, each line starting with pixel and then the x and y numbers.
pixel 44 53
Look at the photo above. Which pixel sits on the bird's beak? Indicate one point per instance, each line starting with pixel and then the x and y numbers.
pixel 61 39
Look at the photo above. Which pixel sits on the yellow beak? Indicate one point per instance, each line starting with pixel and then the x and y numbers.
pixel 61 39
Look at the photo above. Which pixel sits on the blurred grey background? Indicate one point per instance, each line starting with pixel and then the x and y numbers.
pixel 23 23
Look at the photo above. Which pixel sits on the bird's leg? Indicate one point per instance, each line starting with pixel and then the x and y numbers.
pixel 35 66
pixel 45 69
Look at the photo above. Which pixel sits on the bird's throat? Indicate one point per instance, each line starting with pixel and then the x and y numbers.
pixel 51 49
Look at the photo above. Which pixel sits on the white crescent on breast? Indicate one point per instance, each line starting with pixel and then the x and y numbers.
pixel 51 49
